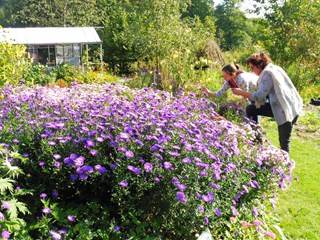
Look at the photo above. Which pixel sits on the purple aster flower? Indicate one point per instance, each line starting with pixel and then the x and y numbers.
pixel 156 179
pixel 116 228
pixel 73 177
pixel 129 154
pixel 186 160
pixel 255 211
pixel 113 144
pixel 180 196
pixel 218 212
pixel 174 180
pixel 1 216
pixel 134 169
pixel 41 164
pixel 94 152
pixel 71 218
pixel 84 169
pixel 99 139
pixel 15 141
pixel 79 161
pixel 147 167
pixel 206 221
pixel 257 223
pixel 46 210
pixel 68 161
pixel 234 211
pixel 207 198
pixel 246 190
pixel 139 143
pixel 57 164
pixel 201 208
pixel 5 235
pixel 55 193
pixel 43 195
pixel 174 154
pixel 215 186
pixel 123 183
pixel 203 173
pixel 83 176
pixel 63 231
pixel 101 169
pixel 124 136
pixel 51 143
pixel 181 187
pixel 73 156
pixel 5 205
pixel 55 235
pixel 168 165
pixel 56 156
pixel 88 143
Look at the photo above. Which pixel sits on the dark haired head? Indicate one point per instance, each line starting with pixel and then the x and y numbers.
pixel 260 60
pixel 232 68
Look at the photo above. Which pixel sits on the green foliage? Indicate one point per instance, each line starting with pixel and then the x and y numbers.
pixel 39 74
pixel 13 63
pixel 292 39
pixel 11 207
pixel 56 13
pixel 65 72
pixel 232 28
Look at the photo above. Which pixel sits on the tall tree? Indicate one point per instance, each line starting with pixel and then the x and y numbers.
pixel 292 37
pixel 199 8
pixel 231 23
pixel 55 13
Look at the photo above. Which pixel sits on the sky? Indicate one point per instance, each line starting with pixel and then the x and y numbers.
pixel 247 4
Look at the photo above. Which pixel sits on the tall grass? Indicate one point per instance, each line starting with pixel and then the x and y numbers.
pixel 298 208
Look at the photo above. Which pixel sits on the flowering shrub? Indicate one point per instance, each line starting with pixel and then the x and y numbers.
pixel 107 162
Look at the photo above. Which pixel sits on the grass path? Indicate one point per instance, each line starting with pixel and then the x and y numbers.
pixel 298 207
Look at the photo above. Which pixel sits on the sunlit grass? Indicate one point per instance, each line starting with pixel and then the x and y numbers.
pixel 299 206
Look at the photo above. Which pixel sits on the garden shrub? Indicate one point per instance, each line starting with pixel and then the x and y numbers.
pixel 108 162
pixel 39 74
pixel 14 62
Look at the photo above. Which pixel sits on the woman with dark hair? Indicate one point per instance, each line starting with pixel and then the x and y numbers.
pixel 285 103
pixel 234 77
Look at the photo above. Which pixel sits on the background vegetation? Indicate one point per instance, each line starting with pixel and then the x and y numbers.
pixel 175 38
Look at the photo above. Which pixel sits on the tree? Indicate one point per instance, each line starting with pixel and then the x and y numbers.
pixel 293 39
pixel 199 8
pixel 232 30
pixel 53 13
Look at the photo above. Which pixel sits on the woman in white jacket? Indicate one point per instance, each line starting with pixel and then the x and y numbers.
pixel 234 77
pixel 285 103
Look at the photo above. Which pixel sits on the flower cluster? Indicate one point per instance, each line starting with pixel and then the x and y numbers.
pixel 146 156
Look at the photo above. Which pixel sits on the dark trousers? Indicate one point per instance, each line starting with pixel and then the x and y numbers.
pixel 284 130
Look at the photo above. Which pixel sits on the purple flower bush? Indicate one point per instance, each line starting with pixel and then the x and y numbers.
pixel 137 163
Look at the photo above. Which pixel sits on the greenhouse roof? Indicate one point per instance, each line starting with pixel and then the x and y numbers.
pixel 50 35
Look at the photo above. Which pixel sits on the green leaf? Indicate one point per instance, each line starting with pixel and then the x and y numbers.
pixel 6 184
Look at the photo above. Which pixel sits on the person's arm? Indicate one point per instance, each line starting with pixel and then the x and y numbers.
pixel 206 91
pixel 263 91
pixel 240 92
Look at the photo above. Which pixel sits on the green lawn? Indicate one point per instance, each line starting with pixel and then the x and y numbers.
pixel 298 207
